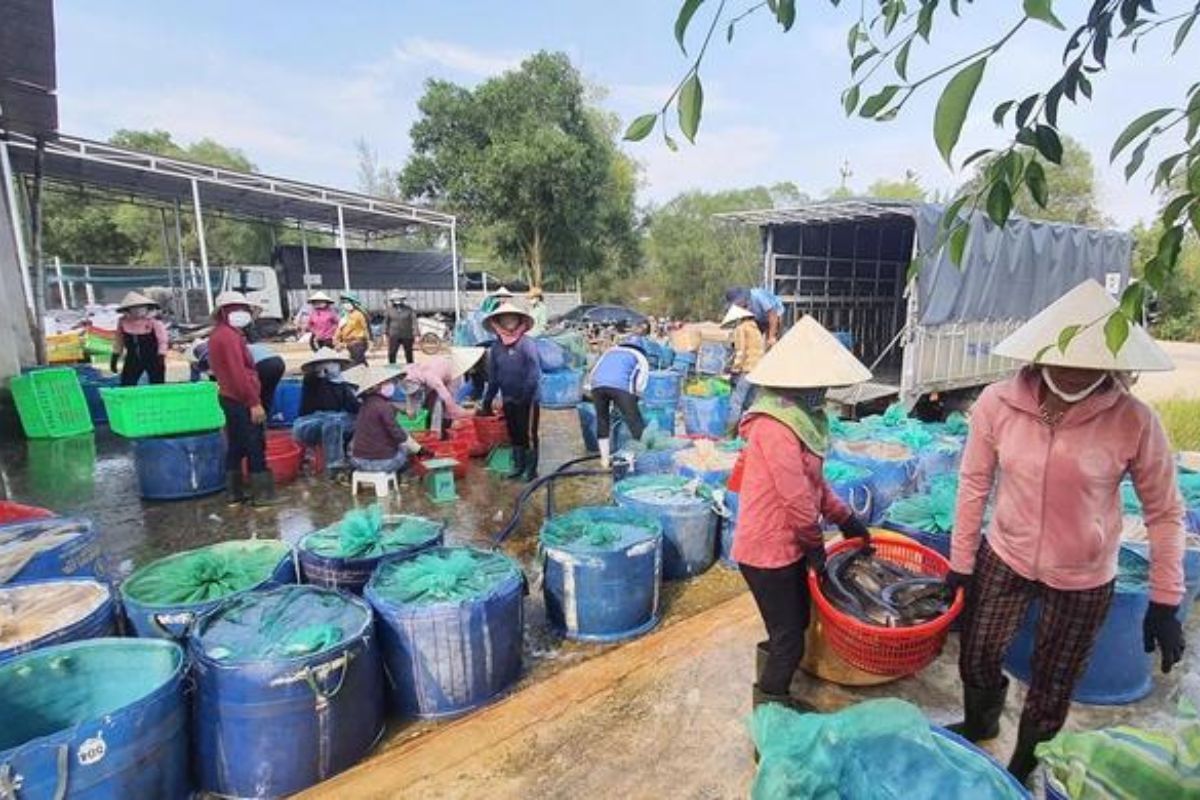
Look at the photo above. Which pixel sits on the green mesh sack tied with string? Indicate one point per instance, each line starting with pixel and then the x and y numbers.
pixel 444 575
pixel 369 533
pixel 205 574
pixel 599 528
pixel 840 472
pixel 956 424
pixel 280 623
pixel 932 511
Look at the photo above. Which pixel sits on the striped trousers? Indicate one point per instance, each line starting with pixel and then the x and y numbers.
pixel 1066 632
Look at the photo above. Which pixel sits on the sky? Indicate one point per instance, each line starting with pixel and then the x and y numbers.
pixel 295 84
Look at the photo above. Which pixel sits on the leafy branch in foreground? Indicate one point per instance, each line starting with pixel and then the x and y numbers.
pixel 884 38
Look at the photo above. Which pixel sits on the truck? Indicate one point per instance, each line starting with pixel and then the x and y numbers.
pixel 872 271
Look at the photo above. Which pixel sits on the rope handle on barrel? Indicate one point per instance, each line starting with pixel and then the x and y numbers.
pixel 310 677
pixel 718 504
pixel 11 782
pixel 166 633
pixel 865 509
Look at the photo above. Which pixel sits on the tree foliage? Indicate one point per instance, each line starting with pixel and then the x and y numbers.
pixel 879 42
pixel 526 156
pixel 907 188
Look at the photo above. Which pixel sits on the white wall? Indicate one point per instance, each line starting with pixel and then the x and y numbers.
pixel 16 341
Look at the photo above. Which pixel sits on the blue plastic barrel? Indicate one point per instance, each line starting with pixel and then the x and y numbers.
pixel 892 465
pixel 853 487
pixel 931 539
pixel 940 458
pixel 663 387
pixel 286 405
pixel 666 356
pixel 64 548
pixel 561 389
pixel 732 503
pixel 660 416
pixel 618 433
pixel 1119 671
pixel 1191 574
pixel 100 719
pixel 706 416
pixel 712 358
pixel 687 516
pixel 92 383
pixel 551 354
pixel 269 724
pixel 445 658
pixel 602 592
pixel 352 574
pixel 90 615
pixel 179 467
pixel 684 362
pixel 654 462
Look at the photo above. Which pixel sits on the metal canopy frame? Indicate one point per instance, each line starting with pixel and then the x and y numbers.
pixel 823 212
pixel 69 159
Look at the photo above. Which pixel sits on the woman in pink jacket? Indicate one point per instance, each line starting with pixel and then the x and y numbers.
pixel 784 499
pixel 432 382
pixel 1056 439
pixel 322 321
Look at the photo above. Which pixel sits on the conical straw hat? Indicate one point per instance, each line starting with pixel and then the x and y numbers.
pixel 325 355
pixel 808 357
pixel 366 378
pixel 507 307
pixel 1087 305
pixel 462 359
pixel 320 297
pixel 736 314
pixel 133 300
pixel 502 292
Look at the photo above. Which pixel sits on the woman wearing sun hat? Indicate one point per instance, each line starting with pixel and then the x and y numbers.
pixel 142 339
pixel 784 498
pixel 515 372
pixel 327 407
pixel 379 443
pixel 747 352
pixel 433 382
pixel 537 310
pixel 355 331
pixel 1056 439
pixel 322 321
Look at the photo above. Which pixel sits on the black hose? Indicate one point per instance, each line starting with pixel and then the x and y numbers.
pixel 523 498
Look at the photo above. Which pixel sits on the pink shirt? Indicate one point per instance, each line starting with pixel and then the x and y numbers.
pixel 141 327
pixel 436 374
pixel 323 322
pixel 1058 506
pixel 784 497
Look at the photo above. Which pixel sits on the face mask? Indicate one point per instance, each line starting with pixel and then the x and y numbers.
pixel 240 319
pixel 347 308
pixel 1071 397
pixel 812 399
pixel 388 390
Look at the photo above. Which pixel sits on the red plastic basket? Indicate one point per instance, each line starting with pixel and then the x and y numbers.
pixel 19 512
pixel 887 651
pixel 426 438
pixel 491 431
pixel 463 430
pixel 284 457
pixel 447 449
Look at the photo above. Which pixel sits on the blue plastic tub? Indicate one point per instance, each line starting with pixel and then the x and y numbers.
pixel 618 433
pixel 94 615
pixel 551 354
pixel 712 357
pixel 352 574
pixel 180 467
pixel 286 405
pixel 855 491
pixel 729 529
pixel 893 468
pixel 663 387
pixel 445 658
pixel 706 416
pixel 659 416
pixel 935 541
pixel 75 555
pixel 1191 575
pixel 112 709
pixel 1119 671
pixel 684 362
pixel 92 383
pixel 603 592
pixel 561 389
pixel 272 724
pixel 940 458
pixel 689 522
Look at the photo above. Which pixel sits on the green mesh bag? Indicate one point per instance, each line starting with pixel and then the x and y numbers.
pixel 599 528
pixel 655 441
pixel 286 622
pixel 914 435
pixel 956 424
pixel 369 533
pixel 847 429
pixel 443 575
pixel 933 511
pixel 840 472
pixel 205 574
pixel 1189 489
pixel 895 416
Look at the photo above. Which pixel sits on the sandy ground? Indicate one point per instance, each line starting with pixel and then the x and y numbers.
pixel 1184 381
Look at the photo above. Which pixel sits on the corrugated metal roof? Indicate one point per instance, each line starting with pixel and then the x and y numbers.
pixel 824 211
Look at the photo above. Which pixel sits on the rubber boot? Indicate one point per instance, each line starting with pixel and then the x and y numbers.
pixel 262 490
pixel 605 453
pixel 1023 760
pixel 761 653
pixel 531 465
pixel 981 710
pixel 235 487
pixel 518 464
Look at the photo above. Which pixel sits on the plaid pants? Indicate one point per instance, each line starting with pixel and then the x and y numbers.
pixel 1066 632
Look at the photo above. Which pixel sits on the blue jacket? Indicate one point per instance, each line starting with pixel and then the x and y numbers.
pixel 515 372
pixel 763 302
pixel 621 368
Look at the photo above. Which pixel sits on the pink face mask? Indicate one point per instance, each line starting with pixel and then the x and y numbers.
pixel 388 390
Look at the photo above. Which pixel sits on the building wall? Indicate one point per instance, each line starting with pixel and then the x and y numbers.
pixel 16 341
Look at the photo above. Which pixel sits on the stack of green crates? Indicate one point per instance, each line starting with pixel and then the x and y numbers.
pixel 166 409
pixel 51 404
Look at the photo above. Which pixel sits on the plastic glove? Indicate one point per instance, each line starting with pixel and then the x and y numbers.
pixel 412 446
pixel 114 364
pixel 853 528
pixel 1161 627
pixel 815 556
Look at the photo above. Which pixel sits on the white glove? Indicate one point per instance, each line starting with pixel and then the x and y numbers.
pixel 411 446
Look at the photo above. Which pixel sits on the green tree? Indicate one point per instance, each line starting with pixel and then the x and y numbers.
pixel 907 188
pixel 524 155
pixel 1071 186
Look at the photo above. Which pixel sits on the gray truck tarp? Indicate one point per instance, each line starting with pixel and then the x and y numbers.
pixel 369 269
pixel 996 282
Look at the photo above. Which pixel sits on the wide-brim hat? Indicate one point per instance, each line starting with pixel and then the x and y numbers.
pixel 808 357
pixel 319 297
pixel 734 315
pixel 366 378
pixel 502 292
pixel 396 294
pixel 352 298
pixel 1088 305
pixel 134 300
pixel 462 359
pixel 325 355
pixel 507 308
pixel 231 298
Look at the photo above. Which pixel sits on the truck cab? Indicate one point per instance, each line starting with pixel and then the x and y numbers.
pixel 260 284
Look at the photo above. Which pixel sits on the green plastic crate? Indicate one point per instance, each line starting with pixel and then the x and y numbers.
pixel 418 423
pixel 51 404
pixel 164 409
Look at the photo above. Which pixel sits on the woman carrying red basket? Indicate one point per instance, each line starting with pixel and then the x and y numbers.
pixel 784 497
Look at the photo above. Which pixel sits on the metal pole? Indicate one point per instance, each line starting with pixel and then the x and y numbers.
pixel 87 285
pixel 62 287
pixel 35 226
pixel 454 267
pixel 10 188
pixel 166 250
pixel 342 242
pixel 71 292
pixel 208 294
pixel 183 281
pixel 304 254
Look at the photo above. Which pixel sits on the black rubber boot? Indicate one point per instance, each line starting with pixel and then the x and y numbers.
pixel 518 464
pixel 981 710
pixel 1023 761
pixel 531 465
pixel 235 487
pixel 262 490
pixel 787 700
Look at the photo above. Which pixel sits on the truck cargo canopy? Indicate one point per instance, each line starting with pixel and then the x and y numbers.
pixel 372 269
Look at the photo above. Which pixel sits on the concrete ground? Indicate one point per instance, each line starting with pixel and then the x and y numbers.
pixel 1184 381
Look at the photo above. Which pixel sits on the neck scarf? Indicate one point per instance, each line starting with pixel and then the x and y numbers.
pixel 509 338
pixel 811 426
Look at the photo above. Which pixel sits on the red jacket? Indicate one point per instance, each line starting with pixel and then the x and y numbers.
pixel 230 362
pixel 784 497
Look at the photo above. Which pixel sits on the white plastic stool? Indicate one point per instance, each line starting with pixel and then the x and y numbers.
pixel 384 483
